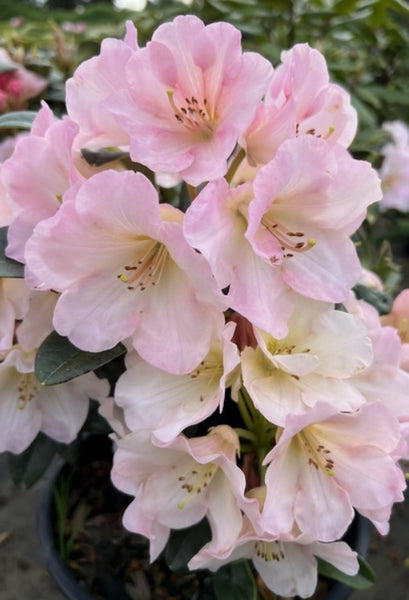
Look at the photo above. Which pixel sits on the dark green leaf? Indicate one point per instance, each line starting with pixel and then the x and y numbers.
pixel 381 301
pixel 102 156
pixel 29 466
pixel 22 119
pixel 363 580
pixel 185 543
pixel 8 266
pixel 58 360
pixel 235 580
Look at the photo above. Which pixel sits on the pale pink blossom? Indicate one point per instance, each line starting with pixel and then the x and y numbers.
pixel 166 403
pixel 94 81
pixel 287 232
pixel 124 269
pixel 192 92
pixel 14 295
pixel 394 171
pixel 300 100
pixel 327 463
pixel 177 484
pixel 399 315
pixel 386 379
pixel 27 407
pixel 315 362
pixel 287 564
pixel 37 175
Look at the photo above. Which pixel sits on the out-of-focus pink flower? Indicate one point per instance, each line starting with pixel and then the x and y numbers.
pixel 17 85
pixel 300 100
pixel 125 269
pixel 192 92
pixel 399 319
pixel 71 27
pixel 394 171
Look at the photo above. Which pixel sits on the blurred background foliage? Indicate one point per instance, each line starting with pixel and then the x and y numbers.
pixel 365 43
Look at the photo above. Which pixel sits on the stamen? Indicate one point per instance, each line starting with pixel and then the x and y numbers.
pixel 27 389
pixel 319 455
pixel 269 551
pixel 146 271
pixel 193 116
pixel 286 238
pixel 196 481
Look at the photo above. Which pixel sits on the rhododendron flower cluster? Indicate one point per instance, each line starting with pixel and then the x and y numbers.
pixel 195 209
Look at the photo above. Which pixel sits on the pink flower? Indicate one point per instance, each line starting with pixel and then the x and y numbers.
pixel 287 564
pixel 37 175
pixel 176 484
pixel 316 362
pixel 27 407
pixel 191 94
pixel 124 269
pixel 300 100
pixel 325 464
pixel 17 85
pixel 289 232
pixel 166 403
pixel 13 305
pixel 394 171
pixel 95 80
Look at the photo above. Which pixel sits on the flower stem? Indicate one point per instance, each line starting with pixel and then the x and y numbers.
pixel 234 165
pixel 192 191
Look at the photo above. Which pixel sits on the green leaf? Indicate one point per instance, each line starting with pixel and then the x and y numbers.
pixel 22 119
pixel 363 580
pixel 235 580
pixel 58 360
pixel 185 543
pixel 381 301
pixel 29 466
pixel 8 266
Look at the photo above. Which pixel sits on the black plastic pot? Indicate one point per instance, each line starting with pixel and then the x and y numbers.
pixel 58 570
pixel 358 537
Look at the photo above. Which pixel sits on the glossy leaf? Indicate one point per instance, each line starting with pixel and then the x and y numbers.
pixel 21 119
pixel 183 544
pixel 235 580
pixel 29 466
pixel 363 580
pixel 58 360
pixel 8 266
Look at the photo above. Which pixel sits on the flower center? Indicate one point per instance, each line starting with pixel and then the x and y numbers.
pixel 194 482
pixel 27 389
pixel 319 457
pixel 193 115
pixel 290 241
pixel 268 551
pixel 147 268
